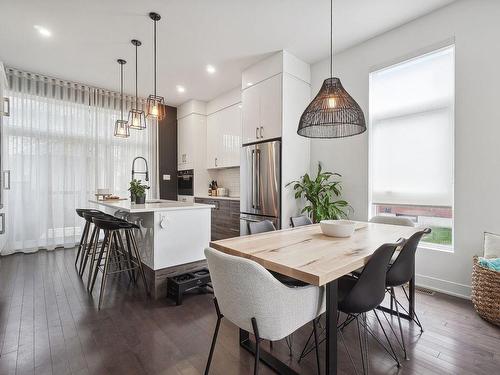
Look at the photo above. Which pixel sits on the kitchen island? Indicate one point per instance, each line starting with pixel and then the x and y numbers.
pixel 171 239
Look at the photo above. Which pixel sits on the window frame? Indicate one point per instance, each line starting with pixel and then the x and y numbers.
pixel 448 44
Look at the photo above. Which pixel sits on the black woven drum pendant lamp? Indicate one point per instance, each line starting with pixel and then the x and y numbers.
pixel 333 113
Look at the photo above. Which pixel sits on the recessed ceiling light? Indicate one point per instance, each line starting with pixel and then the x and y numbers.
pixel 43 31
pixel 181 88
pixel 210 69
pixel 249 83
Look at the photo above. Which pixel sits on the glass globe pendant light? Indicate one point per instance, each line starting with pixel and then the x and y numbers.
pixel 121 125
pixel 155 103
pixel 136 116
pixel 333 113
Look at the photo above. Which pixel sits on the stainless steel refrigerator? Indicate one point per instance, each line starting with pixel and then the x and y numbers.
pixel 260 184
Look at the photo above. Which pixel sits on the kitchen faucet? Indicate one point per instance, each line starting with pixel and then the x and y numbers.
pixel 146 172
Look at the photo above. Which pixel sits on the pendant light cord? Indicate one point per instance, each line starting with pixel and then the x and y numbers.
pixel 331 38
pixel 136 100
pixel 154 57
pixel 121 90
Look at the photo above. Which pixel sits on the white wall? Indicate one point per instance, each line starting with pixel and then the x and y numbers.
pixel 475 27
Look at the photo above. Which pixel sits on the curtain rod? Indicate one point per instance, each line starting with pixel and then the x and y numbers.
pixel 59 81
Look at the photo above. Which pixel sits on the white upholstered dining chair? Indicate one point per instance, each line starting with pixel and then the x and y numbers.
pixel 250 297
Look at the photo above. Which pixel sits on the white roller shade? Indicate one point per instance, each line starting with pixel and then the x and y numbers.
pixel 411 113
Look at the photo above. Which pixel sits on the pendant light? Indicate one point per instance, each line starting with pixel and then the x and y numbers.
pixel 333 113
pixel 136 116
pixel 155 103
pixel 121 126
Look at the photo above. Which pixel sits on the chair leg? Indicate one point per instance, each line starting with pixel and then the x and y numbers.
pixel 347 350
pixel 257 347
pixel 366 343
pixel 394 355
pixel 303 354
pixel 415 319
pixel 360 345
pixel 214 339
pixel 400 327
pixel 316 343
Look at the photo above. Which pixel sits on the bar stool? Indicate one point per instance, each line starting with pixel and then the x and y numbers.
pixel 90 246
pixel 125 259
pixel 85 233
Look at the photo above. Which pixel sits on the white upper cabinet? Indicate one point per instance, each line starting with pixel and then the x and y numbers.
pixel 185 147
pixel 224 137
pixel 262 109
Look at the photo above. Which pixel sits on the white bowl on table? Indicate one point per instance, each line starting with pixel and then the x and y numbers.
pixel 337 228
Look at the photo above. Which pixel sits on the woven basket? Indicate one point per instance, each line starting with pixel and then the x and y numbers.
pixel 486 292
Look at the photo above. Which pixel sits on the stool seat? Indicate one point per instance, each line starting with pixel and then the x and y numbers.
pixel 112 223
pixel 89 216
pixel 81 211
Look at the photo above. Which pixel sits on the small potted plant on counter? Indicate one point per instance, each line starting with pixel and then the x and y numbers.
pixel 138 191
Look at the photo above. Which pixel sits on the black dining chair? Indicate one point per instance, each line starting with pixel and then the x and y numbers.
pixel 400 272
pixel 300 221
pixel 359 295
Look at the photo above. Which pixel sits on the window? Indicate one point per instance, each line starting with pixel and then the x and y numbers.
pixel 411 142
pixel 58 144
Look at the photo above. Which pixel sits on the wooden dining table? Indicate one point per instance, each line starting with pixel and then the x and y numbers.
pixel 306 254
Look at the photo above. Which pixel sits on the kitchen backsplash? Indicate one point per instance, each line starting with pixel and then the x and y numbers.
pixel 228 178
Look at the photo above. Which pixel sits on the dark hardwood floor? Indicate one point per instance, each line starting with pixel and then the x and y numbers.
pixel 50 325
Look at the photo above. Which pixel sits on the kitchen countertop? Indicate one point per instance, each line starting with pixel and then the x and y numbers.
pixel 217 197
pixel 154 205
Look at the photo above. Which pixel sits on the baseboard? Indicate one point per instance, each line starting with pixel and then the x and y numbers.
pixel 444 286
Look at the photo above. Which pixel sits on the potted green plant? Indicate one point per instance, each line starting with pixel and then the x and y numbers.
pixel 138 191
pixel 322 194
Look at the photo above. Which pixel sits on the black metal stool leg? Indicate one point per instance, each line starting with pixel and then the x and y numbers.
pixel 139 262
pixel 105 271
pixel 93 267
pixel 125 254
pixel 105 248
pixel 83 241
pixel 129 249
pixel 88 249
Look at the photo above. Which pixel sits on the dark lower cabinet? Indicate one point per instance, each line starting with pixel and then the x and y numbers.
pixel 225 217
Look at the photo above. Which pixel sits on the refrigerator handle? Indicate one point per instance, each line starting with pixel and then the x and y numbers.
pixel 257 174
pixel 253 178
pixel 6 180
pixel 2 231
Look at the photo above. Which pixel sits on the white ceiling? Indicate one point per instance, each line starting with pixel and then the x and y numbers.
pixel 88 36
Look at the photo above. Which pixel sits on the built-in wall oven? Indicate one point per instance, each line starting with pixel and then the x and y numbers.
pixel 185 182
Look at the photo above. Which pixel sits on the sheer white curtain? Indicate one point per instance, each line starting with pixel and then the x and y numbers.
pixel 59 146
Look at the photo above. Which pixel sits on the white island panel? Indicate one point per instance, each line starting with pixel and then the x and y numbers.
pixel 181 237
